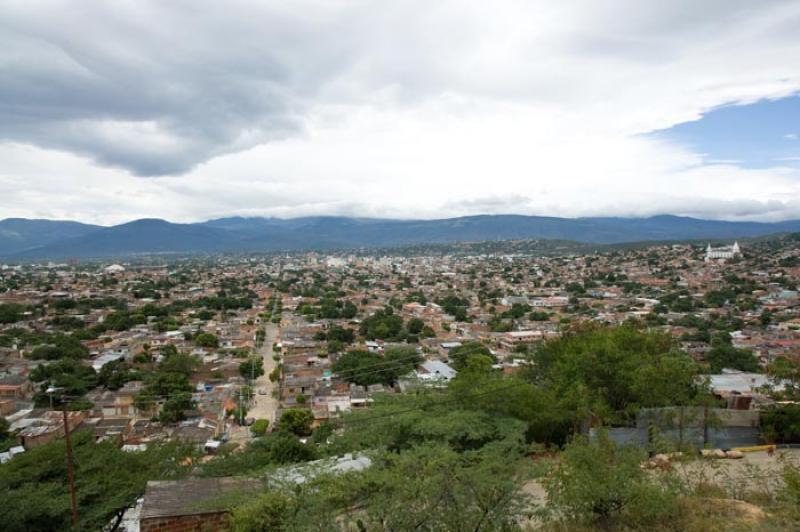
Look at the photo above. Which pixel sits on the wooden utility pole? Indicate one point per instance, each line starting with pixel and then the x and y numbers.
pixel 70 470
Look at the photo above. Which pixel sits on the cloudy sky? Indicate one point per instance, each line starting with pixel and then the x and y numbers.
pixel 189 110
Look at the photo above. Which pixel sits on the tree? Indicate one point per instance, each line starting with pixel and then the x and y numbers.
pixel 275 374
pixel 60 346
pixel 786 371
pixel 604 372
pixel 455 306
pixel 297 421
pixel 174 407
pixel 269 510
pixel 168 350
pixel 428 488
pixel 384 324
pixel 181 363
pixel 271 449
pixel 335 346
pixel 602 483
pixel 365 368
pixel 115 374
pixel 340 334
pixel 11 312
pixel 459 356
pixel 108 481
pixel 206 340
pixel 252 368
pixel 71 376
pixel 349 310
pixel 7 439
pixel 724 355
pixel 415 325
pixel 781 423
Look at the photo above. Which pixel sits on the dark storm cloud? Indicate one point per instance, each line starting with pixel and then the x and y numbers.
pixel 156 88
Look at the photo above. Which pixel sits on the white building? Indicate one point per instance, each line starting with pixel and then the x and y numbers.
pixel 114 269
pixel 435 371
pixel 724 252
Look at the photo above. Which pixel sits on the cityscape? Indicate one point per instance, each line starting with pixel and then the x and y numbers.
pixel 360 266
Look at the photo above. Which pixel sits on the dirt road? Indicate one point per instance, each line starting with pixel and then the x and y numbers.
pixel 264 405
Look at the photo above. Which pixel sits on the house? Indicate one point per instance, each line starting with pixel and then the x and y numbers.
pixel 193 435
pixel 48 427
pixel 16 387
pixel 191 505
pixel 511 340
pixel 434 371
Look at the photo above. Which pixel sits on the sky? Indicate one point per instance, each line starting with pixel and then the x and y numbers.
pixel 190 110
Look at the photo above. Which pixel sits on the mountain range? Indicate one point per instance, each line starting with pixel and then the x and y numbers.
pixel 24 239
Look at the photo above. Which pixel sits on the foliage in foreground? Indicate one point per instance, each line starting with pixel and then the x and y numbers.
pixel 429 487
pixel 601 482
pixel 108 480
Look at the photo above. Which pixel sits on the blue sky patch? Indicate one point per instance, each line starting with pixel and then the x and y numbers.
pixel 760 135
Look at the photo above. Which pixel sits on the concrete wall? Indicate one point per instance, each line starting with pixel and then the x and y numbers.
pixel 722 437
pixel 693 417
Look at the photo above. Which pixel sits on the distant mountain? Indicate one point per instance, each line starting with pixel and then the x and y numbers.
pixel 19 234
pixel 331 232
pixel 139 237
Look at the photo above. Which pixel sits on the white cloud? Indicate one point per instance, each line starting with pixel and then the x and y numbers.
pixel 403 109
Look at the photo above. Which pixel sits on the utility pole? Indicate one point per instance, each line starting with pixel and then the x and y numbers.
pixel 70 467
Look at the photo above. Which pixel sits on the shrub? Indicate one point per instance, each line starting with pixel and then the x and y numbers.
pixel 259 428
pixel 599 482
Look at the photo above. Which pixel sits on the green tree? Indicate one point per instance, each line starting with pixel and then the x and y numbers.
pixel 11 312
pixel 600 483
pixel 175 406
pixel 252 368
pixel 181 363
pixel 365 368
pixel 206 340
pixel 297 421
pixel 108 481
pixel 604 373
pixel 724 355
pixel 459 356
pixel 781 423
pixel 277 448
pixel 415 325
pixel 7 439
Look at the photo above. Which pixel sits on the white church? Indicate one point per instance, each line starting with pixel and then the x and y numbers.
pixel 723 252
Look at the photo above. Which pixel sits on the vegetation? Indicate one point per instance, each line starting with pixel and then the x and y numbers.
pixel 365 368
pixel 252 368
pixel 608 374
pixel 259 427
pixel 108 480
pixel 297 421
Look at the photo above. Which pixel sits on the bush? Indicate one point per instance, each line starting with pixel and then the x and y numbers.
pixel 781 424
pixel 252 368
pixel 297 421
pixel 790 493
pixel 600 482
pixel 259 428
pixel 207 340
